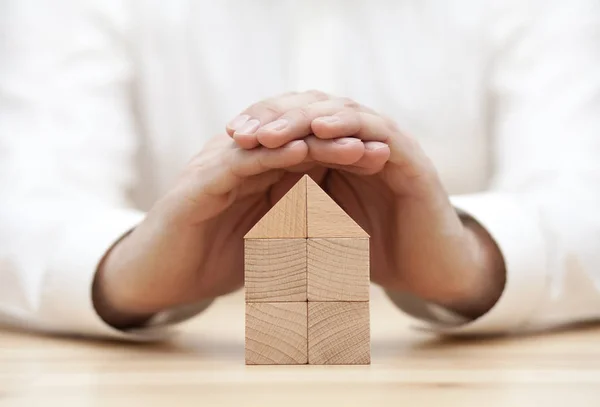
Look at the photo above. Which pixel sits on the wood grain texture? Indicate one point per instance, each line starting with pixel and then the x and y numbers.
pixel 339 333
pixel 287 218
pixel 338 269
pixel 275 270
pixel 325 218
pixel 276 333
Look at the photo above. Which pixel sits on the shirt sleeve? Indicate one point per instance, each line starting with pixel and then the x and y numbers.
pixel 68 141
pixel 542 205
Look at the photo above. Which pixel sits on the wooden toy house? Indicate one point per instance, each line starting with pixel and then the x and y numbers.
pixel 307 283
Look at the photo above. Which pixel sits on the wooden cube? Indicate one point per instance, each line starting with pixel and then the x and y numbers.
pixel 338 269
pixel 275 270
pixel 339 333
pixel 276 333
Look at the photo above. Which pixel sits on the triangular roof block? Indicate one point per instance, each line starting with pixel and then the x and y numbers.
pixel 286 219
pixel 325 218
pixel 305 211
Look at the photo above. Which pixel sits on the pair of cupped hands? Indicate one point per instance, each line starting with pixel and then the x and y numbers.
pixel 189 247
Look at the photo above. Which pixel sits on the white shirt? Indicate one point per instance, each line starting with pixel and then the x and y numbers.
pixel 103 102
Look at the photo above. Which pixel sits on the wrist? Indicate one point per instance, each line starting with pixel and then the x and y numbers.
pixel 109 299
pixel 484 278
pixel 152 268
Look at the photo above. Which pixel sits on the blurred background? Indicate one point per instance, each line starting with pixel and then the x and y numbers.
pixel 102 103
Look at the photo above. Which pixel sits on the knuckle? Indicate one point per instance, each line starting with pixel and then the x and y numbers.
pixel 349 103
pixel 268 108
pixel 318 95
pixel 198 164
pixel 239 169
pixel 262 161
pixel 302 113
pixel 225 160
pixel 349 113
pixel 391 125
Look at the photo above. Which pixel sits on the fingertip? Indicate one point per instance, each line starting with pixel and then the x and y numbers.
pixel 353 148
pixel 350 153
pixel 342 151
pixel 236 123
pixel 268 140
pixel 376 155
pixel 245 141
pixel 348 141
pixel 298 151
pixel 297 144
pixel 230 130
pixel 322 128
pixel 377 147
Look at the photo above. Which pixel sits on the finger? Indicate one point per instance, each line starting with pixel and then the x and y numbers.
pixel 243 127
pixel 340 124
pixel 237 122
pixel 364 126
pixel 406 157
pixel 259 183
pixel 342 151
pixel 296 123
pixel 374 159
pixel 238 164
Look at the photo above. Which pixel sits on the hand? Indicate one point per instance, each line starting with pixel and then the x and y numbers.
pixel 189 247
pixel 419 243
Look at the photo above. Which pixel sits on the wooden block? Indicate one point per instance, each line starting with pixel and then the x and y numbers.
pixel 325 218
pixel 276 333
pixel 275 270
pixel 339 333
pixel 338 269
pixel 287 218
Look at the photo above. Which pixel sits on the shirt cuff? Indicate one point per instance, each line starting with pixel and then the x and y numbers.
pixel 520 240
pixel 67 305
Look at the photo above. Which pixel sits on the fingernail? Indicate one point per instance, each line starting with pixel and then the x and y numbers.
pixel 346 140
pixel 374 146
pixel 238 122
pixel 329 119
pixel 249 127
pixel 276 125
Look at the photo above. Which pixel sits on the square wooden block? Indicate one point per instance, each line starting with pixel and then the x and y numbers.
pixel 276 333
pixel 339 333
pixel 275 270
pixel 338 269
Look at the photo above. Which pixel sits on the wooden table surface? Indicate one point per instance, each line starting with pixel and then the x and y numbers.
pixel 204 366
